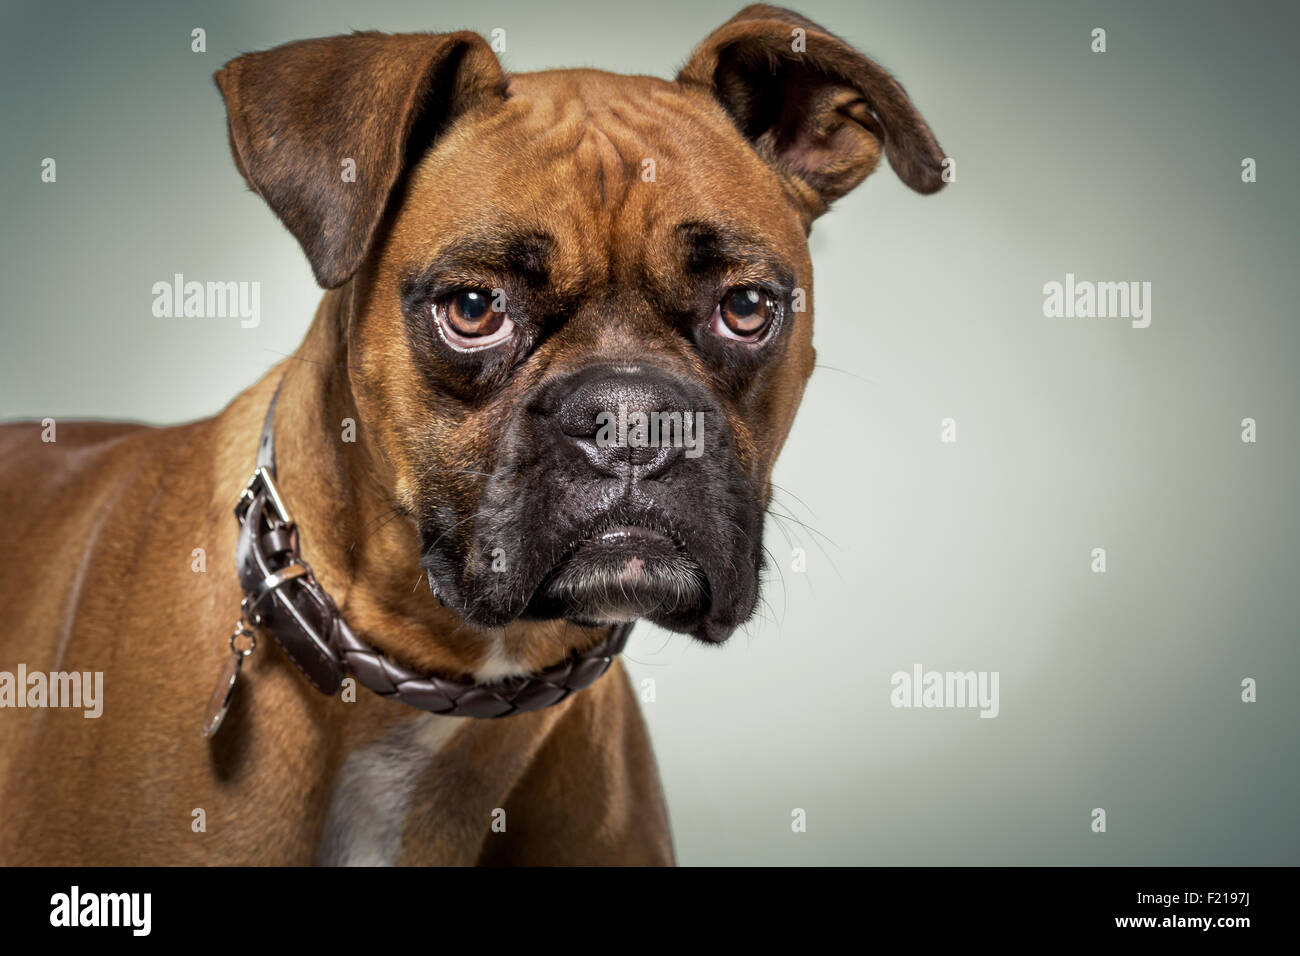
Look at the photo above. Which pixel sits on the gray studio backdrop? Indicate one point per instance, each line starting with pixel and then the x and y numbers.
pixel 1119 691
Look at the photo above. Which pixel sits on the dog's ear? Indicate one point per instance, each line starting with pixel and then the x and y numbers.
pixel 300 112
pixel 813 107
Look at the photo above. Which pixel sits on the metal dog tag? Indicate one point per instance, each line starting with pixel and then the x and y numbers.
pixel 224 692
pixel 222 695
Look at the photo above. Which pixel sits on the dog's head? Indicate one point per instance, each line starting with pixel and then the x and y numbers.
pixel 581 315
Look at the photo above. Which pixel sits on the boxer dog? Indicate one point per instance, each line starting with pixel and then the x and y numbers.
pixel 442 530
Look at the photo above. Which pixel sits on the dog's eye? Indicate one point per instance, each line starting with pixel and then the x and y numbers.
pixel 469 320
pixel 744 315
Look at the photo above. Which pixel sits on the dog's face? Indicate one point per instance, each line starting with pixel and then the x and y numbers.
pixel 581 302
pixel 610 290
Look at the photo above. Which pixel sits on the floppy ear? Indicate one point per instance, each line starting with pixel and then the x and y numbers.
pixel 299 111
pixel 814 108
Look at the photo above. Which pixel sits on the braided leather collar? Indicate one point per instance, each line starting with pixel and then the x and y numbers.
pixel 283 596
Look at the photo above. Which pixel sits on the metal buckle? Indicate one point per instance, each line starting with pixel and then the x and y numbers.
pixel 261 481
pixel 272 582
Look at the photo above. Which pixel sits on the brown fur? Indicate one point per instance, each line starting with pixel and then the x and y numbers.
pixel 100 525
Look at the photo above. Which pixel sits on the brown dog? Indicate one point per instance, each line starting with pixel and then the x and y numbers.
pixel 514 255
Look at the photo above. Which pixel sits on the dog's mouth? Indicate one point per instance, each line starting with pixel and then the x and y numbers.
pixel 622 572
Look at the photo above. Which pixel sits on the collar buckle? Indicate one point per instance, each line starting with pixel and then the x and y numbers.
pixel 262 481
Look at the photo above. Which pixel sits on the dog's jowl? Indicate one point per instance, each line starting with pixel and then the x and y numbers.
pixel 566 329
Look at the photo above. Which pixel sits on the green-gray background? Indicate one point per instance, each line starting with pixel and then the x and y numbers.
pixel 1118 690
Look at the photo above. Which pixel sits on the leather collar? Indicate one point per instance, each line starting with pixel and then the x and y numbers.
pixel 283 597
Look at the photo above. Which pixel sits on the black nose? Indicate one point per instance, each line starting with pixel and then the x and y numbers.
pixel 628 422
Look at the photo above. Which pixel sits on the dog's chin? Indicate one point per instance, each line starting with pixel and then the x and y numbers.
pixel 624 573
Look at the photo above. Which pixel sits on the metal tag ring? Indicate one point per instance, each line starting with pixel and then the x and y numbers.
pixel 243 630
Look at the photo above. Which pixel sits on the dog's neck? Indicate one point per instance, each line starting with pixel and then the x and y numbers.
pixel 361 539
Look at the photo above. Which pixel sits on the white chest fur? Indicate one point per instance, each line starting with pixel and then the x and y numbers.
pixel 374 790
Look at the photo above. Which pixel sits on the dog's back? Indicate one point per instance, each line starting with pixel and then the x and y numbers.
pixel 88 507
pixel 56 484
pixel 56 495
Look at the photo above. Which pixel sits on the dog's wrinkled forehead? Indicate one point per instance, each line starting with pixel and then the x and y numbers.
pixel 619 131
pixel 599 171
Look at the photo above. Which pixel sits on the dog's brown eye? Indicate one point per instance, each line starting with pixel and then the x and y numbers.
pixel 469 320
pixel 744 314
pixel 471 314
